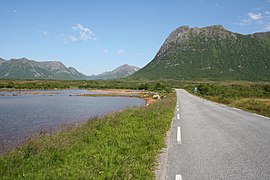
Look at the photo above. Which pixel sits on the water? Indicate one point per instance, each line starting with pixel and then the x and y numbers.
pixel 47 92
pixel 26 114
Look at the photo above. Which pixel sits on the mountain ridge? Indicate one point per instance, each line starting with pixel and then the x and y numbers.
pixel 120 72
pixel 210 53
pixel 24 68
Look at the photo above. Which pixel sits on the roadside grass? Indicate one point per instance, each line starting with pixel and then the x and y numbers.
pixel 121 145
pixel 259 106
pixel 250 97
pixel 256 105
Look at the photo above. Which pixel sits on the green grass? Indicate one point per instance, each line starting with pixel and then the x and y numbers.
pixel 254 97
pixel 122 145
pixel 259 106
pixel 6 84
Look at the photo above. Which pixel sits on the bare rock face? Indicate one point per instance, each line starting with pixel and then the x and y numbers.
pixel 184 33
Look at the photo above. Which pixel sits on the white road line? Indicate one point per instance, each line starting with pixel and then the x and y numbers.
pixel 236 109
pixel 260 116
pixel 178 135
pixel 178 116
pixel 178 177
pixel 177 109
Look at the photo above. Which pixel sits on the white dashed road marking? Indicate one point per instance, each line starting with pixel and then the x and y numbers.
pixel 178 135
pixel 178 177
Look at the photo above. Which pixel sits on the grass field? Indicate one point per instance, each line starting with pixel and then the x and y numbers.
pixel 122 145
pixel 254 97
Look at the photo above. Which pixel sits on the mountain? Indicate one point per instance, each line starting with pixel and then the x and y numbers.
pixel 1 61
pixel 120 72
pixel 210 53
pixel 29 69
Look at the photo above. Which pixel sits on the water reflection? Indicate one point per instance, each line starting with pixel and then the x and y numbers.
pixel 25 114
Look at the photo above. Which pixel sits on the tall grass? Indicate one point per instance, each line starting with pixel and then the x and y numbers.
pixel 122 145
pixel 250 97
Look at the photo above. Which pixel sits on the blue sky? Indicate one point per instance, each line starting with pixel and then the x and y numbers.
pixel 99 35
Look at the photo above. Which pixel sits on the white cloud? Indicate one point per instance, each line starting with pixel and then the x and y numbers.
pixel 44 33
pixel 259 19
pixel 267 14
pixel 72 38
pixel 255 16
pixel 81 33
pixel 14 11
pixel 106 51
pixel 244 22
pixel 120 51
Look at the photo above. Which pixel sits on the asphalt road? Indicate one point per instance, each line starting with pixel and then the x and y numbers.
pixel 212 141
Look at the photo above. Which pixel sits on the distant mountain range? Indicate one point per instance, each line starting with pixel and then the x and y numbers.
pixel 210 53
pixel 120 72
pixel 29 69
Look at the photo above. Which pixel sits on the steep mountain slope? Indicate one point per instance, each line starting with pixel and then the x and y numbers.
pixel 29 69
pixel 1 61
pixel 212 53
pixel 120 72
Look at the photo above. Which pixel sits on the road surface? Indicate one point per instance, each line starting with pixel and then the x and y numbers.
pixel 213 142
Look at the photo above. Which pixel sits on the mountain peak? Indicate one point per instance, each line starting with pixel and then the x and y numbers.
pixel 184 34
pixel 183 28
pixel 210 53
pixel 53 65
pixel 23 60
pixel 216 27
pixel 120 72
pixel 24 68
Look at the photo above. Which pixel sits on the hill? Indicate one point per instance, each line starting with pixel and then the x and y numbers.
pixel 120 72
pixel 210 53
pixel 29 69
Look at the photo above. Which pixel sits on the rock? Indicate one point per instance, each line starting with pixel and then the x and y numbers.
pixel 156 96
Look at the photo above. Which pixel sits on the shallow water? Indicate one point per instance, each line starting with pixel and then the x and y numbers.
pixel 25 114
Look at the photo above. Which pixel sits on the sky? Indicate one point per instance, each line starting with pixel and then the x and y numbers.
pixel 99 35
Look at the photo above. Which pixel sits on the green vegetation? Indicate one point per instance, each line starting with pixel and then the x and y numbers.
pixel 34 84
pixel 252 97
pixel 121 145
pixel 84 84
pixel 28 69
pixel 212 54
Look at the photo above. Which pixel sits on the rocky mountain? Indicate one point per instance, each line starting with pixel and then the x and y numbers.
pixel 120 72
pixel 210 53
pixel 29 69
pixel 1 61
